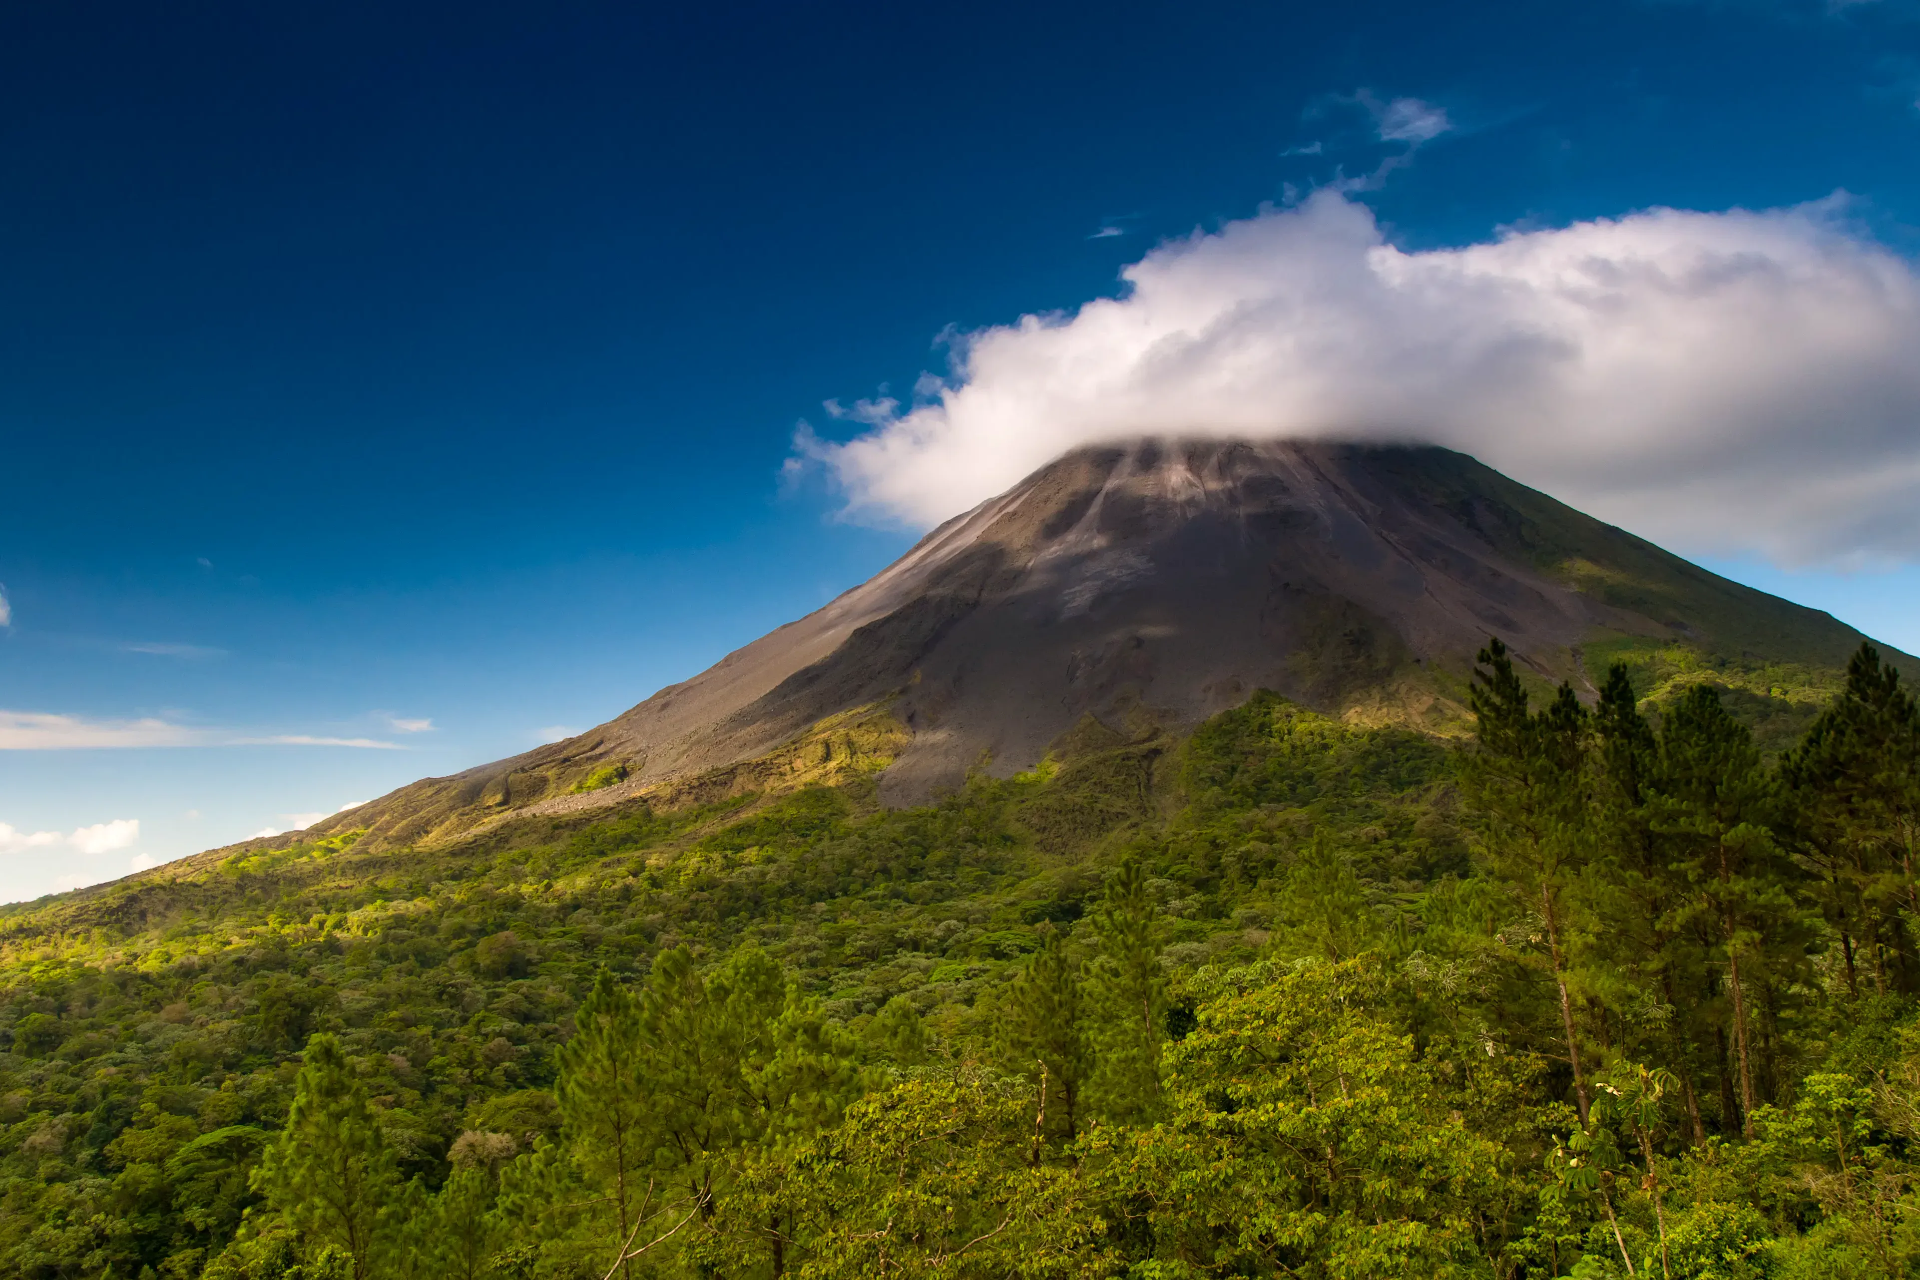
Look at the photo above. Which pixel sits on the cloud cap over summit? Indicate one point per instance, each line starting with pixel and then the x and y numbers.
pixel 1734 382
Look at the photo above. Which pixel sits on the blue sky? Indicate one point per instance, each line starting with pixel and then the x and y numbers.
pixel 422 376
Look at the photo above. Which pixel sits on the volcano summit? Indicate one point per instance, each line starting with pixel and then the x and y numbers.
pixel 1155 583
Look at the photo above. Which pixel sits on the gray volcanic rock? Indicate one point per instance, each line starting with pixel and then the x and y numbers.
pixel 1165 580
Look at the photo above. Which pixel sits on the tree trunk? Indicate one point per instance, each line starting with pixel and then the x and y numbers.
pixel 1653 1190
pixel 1566 1003
pixel 1739 1000
pixel 1740 1038
pixel 620 1199
pixel 1693 1111
pixel 1614 1222
pixel 1729 1107
pixel 1846 948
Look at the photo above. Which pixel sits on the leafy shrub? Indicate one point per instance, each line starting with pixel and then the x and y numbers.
pixel 605 776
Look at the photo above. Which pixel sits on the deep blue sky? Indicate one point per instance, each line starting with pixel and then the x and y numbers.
pixel 439 362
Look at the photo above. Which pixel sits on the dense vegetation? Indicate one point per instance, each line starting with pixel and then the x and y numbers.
pixel 1608 993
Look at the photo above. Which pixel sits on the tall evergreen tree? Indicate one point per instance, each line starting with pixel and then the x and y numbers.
pixel 1855 783
pixel 1717 801
pixel 1042 1029
pixel 330 1171
pixel 1656 960
pixel 1527 776
pixel 1127 988
pixel 607 1114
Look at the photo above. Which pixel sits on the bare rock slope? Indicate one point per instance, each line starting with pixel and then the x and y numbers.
pixel 1164 581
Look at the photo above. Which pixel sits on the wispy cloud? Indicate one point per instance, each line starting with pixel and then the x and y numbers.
pixel 409 726
pixel 1406 119
pixel 46 731
pixel 309 740
pixel 41 731
pixel 1107 232
pixel 165 650
pixel 6 607
pixel 101 837
pixel 1406 123
pixel 554 733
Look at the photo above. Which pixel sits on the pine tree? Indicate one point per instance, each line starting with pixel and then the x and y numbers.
pixel 330 1171
pixel 1326 905
pixel 1855 784
pixel 1042 1031
pixel 1528 777
pixel 1645 941
pixel 1127 989
pixel 1717 801
pixel 606 1112
pixel 450 1236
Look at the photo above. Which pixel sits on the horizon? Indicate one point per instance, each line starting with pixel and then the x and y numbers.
pixel 391 397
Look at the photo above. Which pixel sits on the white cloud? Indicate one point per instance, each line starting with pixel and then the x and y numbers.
pixel 1106 233
pixel 554 733
pixel 101 837
pixel 190 651
pixel 141 861
pixel 264 832
pixel 410 726
pixel 6 607
pixel 12 841
pixel 105 837
pixel 1737 381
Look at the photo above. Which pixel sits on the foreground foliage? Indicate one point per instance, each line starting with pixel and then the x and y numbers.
pixel 1609 993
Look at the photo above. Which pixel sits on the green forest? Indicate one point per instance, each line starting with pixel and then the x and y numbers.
pixel 1609 990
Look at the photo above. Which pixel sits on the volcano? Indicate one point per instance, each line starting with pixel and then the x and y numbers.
pixel 1143 587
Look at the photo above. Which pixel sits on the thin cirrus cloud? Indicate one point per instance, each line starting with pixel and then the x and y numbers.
pixel 38 731
pixel 42 731
pixel 1741 382
pixel 399 725
pixel 191 652
pixel 1406 119
pixel 308 740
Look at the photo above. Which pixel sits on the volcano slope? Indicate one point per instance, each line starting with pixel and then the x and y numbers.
pixel 1157 583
